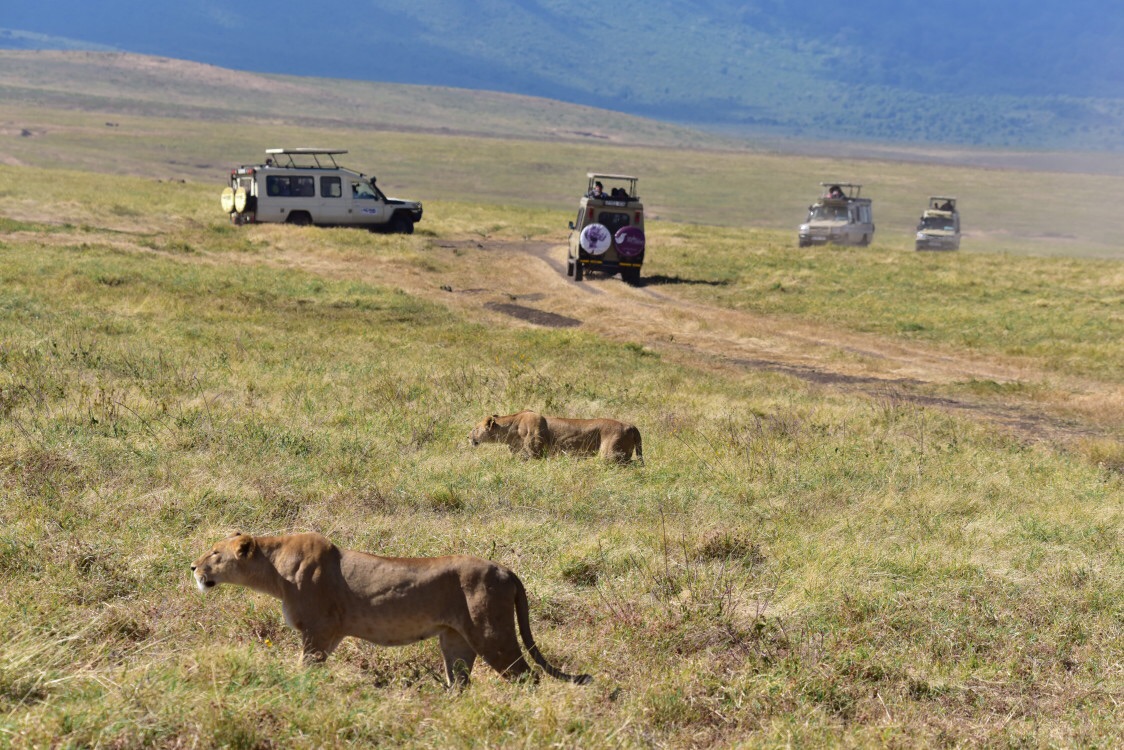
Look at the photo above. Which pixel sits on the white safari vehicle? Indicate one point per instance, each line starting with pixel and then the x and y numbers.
pixel 306 186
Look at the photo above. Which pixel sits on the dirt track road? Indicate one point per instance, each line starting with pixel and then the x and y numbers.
pixel 477 277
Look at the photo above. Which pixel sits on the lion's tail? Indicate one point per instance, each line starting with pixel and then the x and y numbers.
pixel 639 446
pixel 522 614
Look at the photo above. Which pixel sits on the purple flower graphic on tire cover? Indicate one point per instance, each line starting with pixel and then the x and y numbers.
pixel 596 239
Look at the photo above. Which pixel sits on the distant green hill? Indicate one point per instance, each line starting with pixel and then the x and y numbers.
pixel 958 71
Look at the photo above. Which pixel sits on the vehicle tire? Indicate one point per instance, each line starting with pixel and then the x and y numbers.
pixel 630 276
pixel 864 241
pixel 803 243
pixel 569 266
pixel 402 224
pixel 579 272
pixel 299 218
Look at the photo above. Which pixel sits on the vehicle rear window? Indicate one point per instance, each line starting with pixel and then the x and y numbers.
pixel 613 220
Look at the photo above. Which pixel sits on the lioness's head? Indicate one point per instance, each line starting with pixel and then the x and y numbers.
pixel 488 431
pixel 225 562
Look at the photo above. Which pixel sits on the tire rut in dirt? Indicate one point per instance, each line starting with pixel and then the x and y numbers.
pixel 531 315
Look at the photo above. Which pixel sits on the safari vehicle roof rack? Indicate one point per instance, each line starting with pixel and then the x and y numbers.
pixel 936 201
pixel 850 189
pixel 595 176
pixel 315 153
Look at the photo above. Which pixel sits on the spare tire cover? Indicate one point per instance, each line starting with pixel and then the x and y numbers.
pixel 630 241
pixel 228 199
pixel 240 198
pixel 596 239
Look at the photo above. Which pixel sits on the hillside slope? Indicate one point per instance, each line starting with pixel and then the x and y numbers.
pixel 954 72
pixel 114 82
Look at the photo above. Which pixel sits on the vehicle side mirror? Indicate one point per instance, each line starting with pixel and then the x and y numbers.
pixel 571 225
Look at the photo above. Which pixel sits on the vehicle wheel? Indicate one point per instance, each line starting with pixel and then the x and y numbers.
pixel 299 218
pixel 804 243
pixel 864 241
pixel 630 276
pixel 579 272
pixel 402 224
pixel 569 266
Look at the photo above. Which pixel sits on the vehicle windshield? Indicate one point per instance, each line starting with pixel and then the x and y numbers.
pixel 937 222
pixel 828 213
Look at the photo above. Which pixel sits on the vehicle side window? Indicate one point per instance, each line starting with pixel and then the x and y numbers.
pixel 294 186
pixel 363 191
pixel 331 187
pixel 303 186
pixel 613 220
pixel 276 186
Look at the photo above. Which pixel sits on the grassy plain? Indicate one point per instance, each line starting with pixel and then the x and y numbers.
pixel 794 564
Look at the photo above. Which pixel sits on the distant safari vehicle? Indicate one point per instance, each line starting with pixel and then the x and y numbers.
pixel 306 186
pixel 608 235
pixel 939 228
pixel 839 217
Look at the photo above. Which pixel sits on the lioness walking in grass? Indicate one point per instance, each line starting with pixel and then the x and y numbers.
pixel 469 604
pixel 531 435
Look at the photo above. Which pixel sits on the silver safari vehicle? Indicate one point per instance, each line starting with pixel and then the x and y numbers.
pixel 939 228
pixel 839 217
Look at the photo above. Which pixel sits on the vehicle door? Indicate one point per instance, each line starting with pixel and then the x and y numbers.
pixel 866 216
pixel 334 204
pixel 368 204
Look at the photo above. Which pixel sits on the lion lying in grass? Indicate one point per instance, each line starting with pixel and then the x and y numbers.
pixel 531 435
pixel 471 605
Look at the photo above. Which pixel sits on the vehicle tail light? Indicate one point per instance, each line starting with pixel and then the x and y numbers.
pixel 636 219
pixel 589 214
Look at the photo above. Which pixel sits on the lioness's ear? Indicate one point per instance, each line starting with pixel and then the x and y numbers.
pixel 491 420
pixel 245 546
